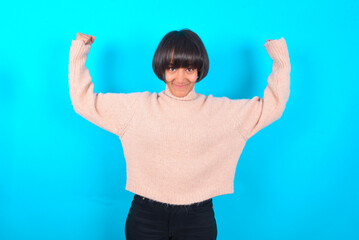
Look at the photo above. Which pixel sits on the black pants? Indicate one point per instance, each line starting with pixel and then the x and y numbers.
pixel 151 220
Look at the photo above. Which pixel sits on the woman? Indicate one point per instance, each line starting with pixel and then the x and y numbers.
pixel 181 147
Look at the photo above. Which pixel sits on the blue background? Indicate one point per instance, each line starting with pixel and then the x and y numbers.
pixel 61 177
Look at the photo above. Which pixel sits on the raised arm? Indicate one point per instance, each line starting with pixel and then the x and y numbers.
pixel 257 113
pixel 110 111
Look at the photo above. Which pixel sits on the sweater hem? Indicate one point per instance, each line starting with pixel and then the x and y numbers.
pixel 178 198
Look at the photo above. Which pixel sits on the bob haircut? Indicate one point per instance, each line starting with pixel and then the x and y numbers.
pixel 181 49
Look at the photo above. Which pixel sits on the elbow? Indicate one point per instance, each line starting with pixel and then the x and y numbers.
pixel 279 110
pixel 75 103
pixel 76 107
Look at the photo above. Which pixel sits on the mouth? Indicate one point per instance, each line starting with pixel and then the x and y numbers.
pixel 180 86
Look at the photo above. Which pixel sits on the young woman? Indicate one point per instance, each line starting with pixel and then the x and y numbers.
pixel 181 147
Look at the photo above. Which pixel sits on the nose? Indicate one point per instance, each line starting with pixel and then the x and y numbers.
pixel 180 76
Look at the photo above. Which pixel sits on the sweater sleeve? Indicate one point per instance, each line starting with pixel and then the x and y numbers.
pixel 257 113
pixel 110 111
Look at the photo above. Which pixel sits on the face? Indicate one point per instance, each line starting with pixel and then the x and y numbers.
pixel 180 80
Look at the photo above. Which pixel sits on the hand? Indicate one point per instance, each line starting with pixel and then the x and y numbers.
pixel 87 39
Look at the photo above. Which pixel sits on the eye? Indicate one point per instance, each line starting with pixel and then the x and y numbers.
pixel 171 69
pixel 190 69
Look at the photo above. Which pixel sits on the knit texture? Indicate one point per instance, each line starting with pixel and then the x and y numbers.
pixel 180 150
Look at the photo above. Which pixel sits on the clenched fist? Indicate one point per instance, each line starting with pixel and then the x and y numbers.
pixel 87 39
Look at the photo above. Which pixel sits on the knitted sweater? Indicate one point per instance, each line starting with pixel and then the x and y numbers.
pixel 180 150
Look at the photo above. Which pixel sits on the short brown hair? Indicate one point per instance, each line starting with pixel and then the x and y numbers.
pixel 181 48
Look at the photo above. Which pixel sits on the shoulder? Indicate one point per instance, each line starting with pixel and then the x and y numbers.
pixel 225 104
pixel 222 100
pixel 146 96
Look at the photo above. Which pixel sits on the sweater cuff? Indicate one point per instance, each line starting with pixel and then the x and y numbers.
pixel 79 50
pixel 278 51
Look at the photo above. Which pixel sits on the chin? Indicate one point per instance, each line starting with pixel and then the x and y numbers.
pixel 180 92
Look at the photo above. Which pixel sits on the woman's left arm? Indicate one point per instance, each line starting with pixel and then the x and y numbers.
pixel 257 113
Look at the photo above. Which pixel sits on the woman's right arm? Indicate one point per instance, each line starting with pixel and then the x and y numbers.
pixel 256 113
pixel 110 111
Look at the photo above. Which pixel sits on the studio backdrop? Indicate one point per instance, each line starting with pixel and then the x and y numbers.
pixel 62 177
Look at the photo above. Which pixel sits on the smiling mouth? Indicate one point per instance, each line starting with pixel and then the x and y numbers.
pixel 180 86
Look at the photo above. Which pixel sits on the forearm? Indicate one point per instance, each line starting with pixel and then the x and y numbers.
pixel 80 81
pixel 278 88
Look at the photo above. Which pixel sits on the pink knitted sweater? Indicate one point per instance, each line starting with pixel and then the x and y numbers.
pixel 180 150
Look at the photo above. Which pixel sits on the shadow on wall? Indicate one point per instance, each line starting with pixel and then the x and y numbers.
pixel 127 69
pixel 9 109
pixel 56 94
pixel 243 84
pixel 111 68
pixel 7 84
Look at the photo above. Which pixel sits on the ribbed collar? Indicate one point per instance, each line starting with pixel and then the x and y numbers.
pixel 190 96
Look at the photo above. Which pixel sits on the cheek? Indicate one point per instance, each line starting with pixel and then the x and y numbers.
pixel 168 76
pixel 194 77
